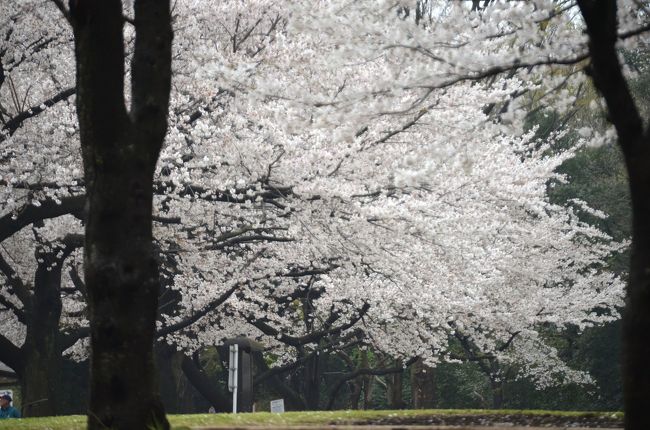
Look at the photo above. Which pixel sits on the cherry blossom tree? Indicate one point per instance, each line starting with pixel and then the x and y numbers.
pixel 515 39
pixel 35 276
pixel 384 199
pixel 308 194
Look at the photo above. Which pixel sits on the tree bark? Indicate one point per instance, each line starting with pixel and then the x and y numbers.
pixel 41 350
pixel 497 393
pixel 122 282
pixel 601 20
pixel 368 383
pixel 168 364
pixel 311 374
pixel 394 390
pixel 355 393
pixel 38 361
pixel 423 386
pixel 120 150
pixel 636 318
pixel 365 380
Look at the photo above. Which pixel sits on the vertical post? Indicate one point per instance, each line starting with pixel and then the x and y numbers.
pixel 233 375
pixel 245 382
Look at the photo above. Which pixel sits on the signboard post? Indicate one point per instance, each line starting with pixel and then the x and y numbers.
pixel 240 371
pixel 233 375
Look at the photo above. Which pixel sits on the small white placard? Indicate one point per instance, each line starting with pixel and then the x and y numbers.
pixel 277 406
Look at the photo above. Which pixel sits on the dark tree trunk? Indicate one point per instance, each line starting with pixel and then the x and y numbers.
pixel 394 390
pixel 423 386
pixel 122 282
pixel 221 402
pixel 368 383
pixel 365 380
pixel 601 20
pixel 120 150
pixel 636 319
pixel 311 374
pixel 39 380
pixel 355 393
pixel 497 393
pixel 38 362
pixel 169 373
pixel 358 385
pixel 41 350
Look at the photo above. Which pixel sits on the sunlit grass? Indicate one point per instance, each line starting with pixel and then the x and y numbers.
pixel 182 422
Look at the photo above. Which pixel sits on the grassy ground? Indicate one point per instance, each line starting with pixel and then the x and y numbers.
pixel 182 422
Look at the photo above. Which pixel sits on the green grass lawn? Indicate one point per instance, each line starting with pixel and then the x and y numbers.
pixel 181 422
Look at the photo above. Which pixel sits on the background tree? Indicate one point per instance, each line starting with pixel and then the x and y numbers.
pixel 270 223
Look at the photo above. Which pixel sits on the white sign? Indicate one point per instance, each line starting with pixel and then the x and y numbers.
pixel 277 406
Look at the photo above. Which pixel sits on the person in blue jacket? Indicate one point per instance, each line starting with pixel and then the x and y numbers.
pixel 6 410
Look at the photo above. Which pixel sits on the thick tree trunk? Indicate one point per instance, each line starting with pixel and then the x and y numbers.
pixel 601 20
pixel 122 281
pixel 368 383
pixel 41 350
pixel 497 393
pixel 636 319
pixel 394 390
pixel 311 375
pixel 423 386
pixel 39 381
pixel 120 150
pixel 359 383
pixel 365 380
pixel 168 375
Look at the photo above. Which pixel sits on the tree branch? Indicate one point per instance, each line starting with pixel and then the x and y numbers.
pixel 14 123
pixel 601 18
pixel 164 331
pixel 18 287
pixel 12 223
pixel 279 387
pixel 310 337
pixel 66 340
pixel 361 372
pixel 11 355
pixel 20 314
